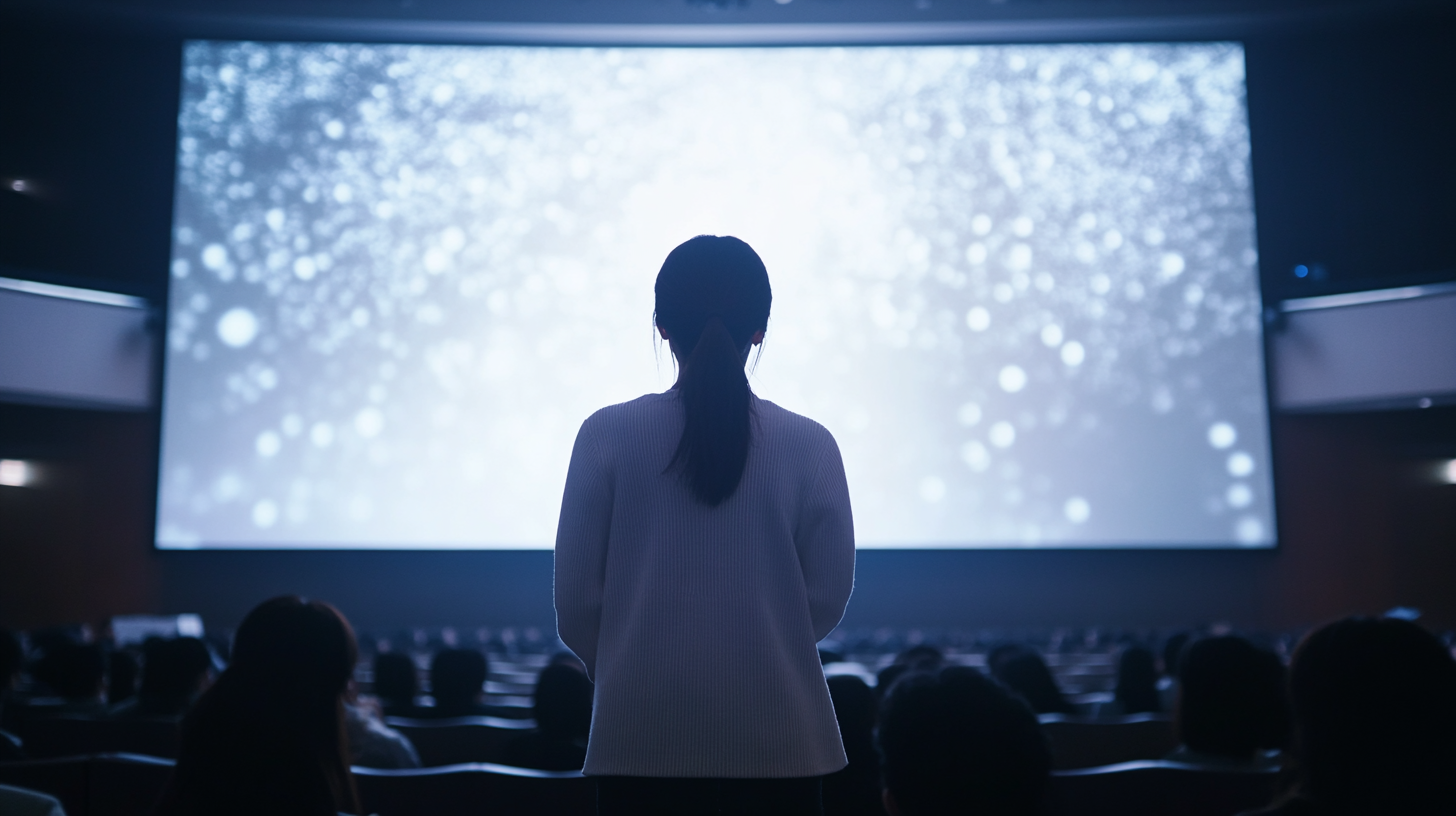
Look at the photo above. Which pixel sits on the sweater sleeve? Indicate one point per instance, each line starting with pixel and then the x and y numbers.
pixel 581 549
pixel 824 538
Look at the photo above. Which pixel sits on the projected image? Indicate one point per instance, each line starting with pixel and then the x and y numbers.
pixel 1018 283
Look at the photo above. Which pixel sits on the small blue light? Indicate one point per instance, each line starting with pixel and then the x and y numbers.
pixel 1301 271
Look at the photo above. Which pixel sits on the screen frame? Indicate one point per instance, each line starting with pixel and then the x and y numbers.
pixel 1202 29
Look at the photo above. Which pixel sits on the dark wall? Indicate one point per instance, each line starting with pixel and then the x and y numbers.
pixel 1352 170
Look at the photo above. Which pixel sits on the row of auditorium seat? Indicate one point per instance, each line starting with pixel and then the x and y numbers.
pixel 124 784
pixel 1075 743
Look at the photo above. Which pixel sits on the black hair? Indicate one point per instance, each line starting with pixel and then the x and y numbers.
pixel 563 702
pixel 1375 714
pixel 1137 681
pixel 395 681
pixel 74 671
pixel 1231 698
pixel 713 296
pixel 457 678
pixel 1027 674
pixel 954 741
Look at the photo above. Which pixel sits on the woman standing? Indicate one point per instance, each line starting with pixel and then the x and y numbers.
pixel 705 547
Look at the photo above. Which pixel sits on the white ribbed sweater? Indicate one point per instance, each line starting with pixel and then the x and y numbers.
pixel 699 624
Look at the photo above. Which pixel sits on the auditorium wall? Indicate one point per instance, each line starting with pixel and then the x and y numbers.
pixel 1351 170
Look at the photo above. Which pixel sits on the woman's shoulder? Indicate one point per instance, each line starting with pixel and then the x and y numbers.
pixel 778 421
pixel 647 406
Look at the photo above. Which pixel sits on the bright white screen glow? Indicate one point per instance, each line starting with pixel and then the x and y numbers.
pixel 1018 283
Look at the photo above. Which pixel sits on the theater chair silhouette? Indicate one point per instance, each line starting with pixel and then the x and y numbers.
pixel 1083 743
pixel 475 788
pixel 1160 788
pixel 95 785
pixel 459 739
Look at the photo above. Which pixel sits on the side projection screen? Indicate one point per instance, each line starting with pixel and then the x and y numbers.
pixel 1018 283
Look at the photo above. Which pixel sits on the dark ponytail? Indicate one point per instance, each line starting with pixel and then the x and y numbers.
pixel 713 296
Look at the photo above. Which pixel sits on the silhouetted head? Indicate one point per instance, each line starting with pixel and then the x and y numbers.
pixel 563 702
pixel 855 707
pixel 1025 673
pixel 1375 714
pixel 1173 652
pixel 75 671
pixel 953 741
pixel 921 657
pixel 457 678
pixel 1231 698
pixel 886 677
pixel 395 681
pixel 1137 681
pixel 268 736
pixel 713 300
pixel 176 671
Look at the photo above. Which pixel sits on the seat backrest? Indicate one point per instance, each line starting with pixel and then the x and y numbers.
pixel 476 788
pixel 64 779
pixel 460 739
pixel 127 784
pixel 1080 743
pixel 1160 788
pixel 71 736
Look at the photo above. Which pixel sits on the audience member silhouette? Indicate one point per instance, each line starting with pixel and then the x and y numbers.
pixel 1232 708
pixel 396 684
pixel 122 670
pixel 955 742
pixel 1375 721
pixel 563 709
pixel 920 657
pixel 1137 683
pixel 268 736
pixel 1026 673
pixel 854 790
pixel 76 673
pixel 457 682
pixel 175 672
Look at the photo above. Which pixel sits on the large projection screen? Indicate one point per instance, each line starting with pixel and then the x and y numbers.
pixel 1018 283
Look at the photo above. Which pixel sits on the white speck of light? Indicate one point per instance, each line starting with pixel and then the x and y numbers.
pixel 268 444
pixel 932 489
pixel 305 268
pixel 265 514
pixel 322 434
pixel 1002 292
pixel 1240 464
pixel 981 224
pixel 1012 379
pixel 1022 226
pixel 1073 354
pixel 1100 284
pixel 1020 257
pixel 275 219
pixel 292 425
pixel 214 256
pixel 1112 239
pixel 237 327
pixel 14 472
pixel 976 457
pixel 453 239
pixel 978 319
pixel 1221 435
pixel 1172 265
pixel 1002 434
pixel 969 414
pixel 1051 335
pixel 1249 531
pixel 976 253
pixel 1239 495
pixel 1077 510
pixel 343 193
pixel 1447 472
pixel 369 422
pixel 334 129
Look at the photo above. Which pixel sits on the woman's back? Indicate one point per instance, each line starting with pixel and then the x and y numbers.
pixel 697 622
